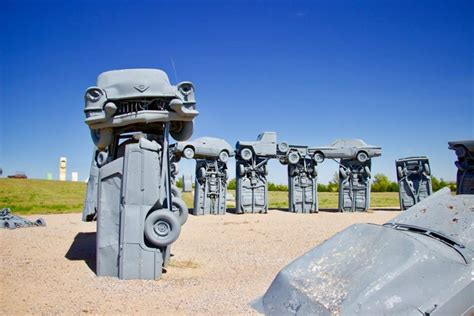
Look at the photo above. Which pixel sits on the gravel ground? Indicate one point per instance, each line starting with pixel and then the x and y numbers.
pixel 220 264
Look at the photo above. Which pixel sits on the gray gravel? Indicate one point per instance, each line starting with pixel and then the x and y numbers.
pixel 220 264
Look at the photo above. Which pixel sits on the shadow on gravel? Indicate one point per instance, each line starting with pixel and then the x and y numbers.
pixel 391 209
pixel 330 210
pixel 83 248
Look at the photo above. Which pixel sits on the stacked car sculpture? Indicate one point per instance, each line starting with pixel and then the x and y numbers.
pixel 131 114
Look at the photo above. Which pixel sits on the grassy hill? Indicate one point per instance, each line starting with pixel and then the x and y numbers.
pixel 54 197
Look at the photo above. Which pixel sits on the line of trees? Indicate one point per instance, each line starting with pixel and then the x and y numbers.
pixel 381 183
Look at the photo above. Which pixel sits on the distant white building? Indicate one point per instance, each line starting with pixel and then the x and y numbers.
pixel 74 176
pixel 62 168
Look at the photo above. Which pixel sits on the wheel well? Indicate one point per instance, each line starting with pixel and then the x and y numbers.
pixel 362 151
pixel 189 146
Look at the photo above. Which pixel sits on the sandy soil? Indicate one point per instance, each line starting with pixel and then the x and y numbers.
pixel 220 264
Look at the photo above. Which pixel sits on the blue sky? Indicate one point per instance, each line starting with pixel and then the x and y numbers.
pixel 398 74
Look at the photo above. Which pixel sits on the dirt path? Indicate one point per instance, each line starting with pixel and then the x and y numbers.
pixel 220 264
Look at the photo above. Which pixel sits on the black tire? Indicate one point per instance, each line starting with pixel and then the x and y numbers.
pixel 181 210
pixel 426 168
pixel 224 156
pixel 246 154
pixel 10 225
pixel 362 156
pixel 40 222
pixel 400 172
pixel 293 157
pixel 188 152
pixel 162 228
pixel 175 192
pixel 318 157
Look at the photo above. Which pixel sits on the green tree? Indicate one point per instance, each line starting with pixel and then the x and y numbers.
pixel 231 184
pixel 333 185
pixel 381 183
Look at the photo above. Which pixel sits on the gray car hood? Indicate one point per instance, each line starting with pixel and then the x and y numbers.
pixel 374 270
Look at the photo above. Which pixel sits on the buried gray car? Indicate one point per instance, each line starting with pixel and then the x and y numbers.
pixel 347 149
pixel 205 147
pixel 419 263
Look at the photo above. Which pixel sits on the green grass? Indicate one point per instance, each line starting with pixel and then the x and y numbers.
pixel 326 200
pixel 55 197
pixel 41 196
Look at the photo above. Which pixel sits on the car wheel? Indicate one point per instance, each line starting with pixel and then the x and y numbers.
pixel 40 222
pixel 101 158
pixel 367 171
pixel 246 154
pixel 343 173
pixel 241 170
pixel 460 151
pixel 175 192
pixel 201 173
pixel 181 210
pixel 283 160
pixel 400 172
pixel 188 153
pixel 10 225
pixel 283 147
pixel 293 157
pixel 181 131
pixel 162 228
pixel 292 170
pixel 102 138
pixel 224 156
pixel 362 156
pixel 426 168
pixel 319 157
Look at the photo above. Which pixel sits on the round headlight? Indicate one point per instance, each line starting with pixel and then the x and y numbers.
pixel 94 94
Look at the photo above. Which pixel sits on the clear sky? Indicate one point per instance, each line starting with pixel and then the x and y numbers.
pixel 398 74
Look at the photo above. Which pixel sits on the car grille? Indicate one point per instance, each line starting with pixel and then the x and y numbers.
pixel 136 105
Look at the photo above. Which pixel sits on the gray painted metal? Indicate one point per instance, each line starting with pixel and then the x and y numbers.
pixel 89 211
pixel 420 263
pixel 346 149
pixel 138 99
pixel 131 114
pixel 10 221
pixel 251 173
pixel 210 188
pixel 187 183
pixel 205 148
pixel 465 176
pixel 302 180
pixel 414 180
pixel 354 185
